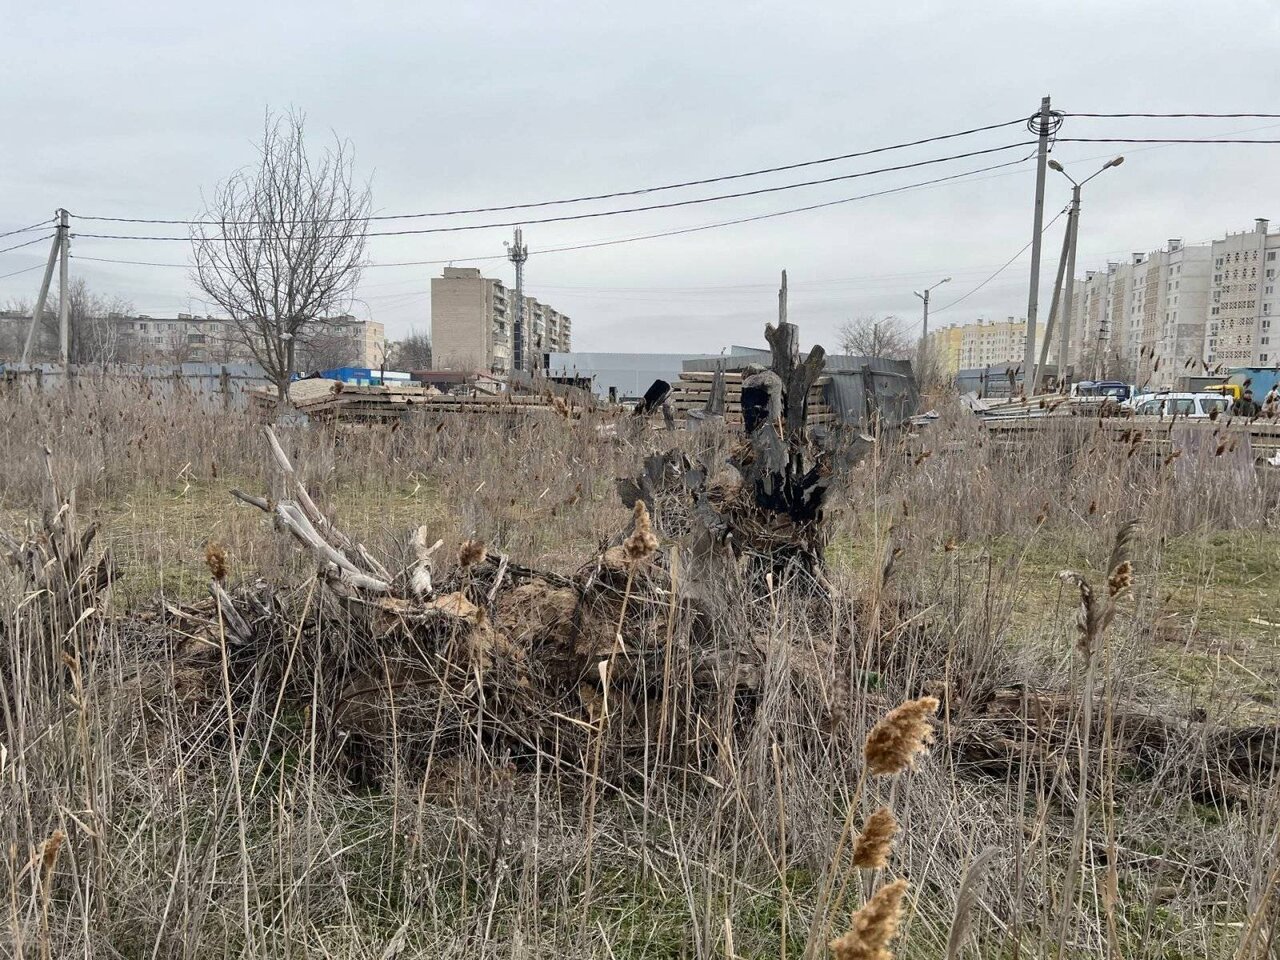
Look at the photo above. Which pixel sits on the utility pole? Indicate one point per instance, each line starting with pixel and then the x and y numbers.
pixel 1064 343
pixel 1054 307
pixel 59 238
pixel 518 253
pixel 1033 296
pixel 64 302
pixel 924 339
pixel 1069 250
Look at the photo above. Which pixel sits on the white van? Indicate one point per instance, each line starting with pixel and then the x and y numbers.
pixel 1183 406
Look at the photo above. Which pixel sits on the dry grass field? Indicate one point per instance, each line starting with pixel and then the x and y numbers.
pixel 1105 790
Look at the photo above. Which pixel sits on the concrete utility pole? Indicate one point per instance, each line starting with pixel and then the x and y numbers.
pixel 1054 306
pixel 64 302
pixel 59 240
pixel 924 339
pixel 1044 119
pixel 1069 249
pixel 518 253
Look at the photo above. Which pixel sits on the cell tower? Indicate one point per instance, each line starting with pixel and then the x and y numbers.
pixel 518 253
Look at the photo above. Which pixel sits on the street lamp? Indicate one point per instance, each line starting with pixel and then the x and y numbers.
pixel 1067 266
pixel 924 339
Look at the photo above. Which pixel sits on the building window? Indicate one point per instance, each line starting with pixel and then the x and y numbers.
pixel 1264 358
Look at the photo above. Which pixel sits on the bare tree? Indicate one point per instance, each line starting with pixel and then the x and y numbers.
pixel 883 338
pixel 411 353
pixel 326 348
pixel 280 246
pixel 93 325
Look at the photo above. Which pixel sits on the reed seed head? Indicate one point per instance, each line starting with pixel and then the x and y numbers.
pixel 471 553
pixel 49 850
pixel 215 557
pixel 642 541
pixel 902 733
pixel 873 926
pixel 872 848
pixel 1121 579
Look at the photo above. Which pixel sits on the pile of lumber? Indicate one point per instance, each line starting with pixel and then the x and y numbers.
pixel 693 389
pixel 333 399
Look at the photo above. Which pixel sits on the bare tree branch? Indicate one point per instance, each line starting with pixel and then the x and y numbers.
pixel 281 246
pixel 883 338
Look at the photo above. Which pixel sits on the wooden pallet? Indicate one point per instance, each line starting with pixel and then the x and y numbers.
pixel 330 399
pixel 693 389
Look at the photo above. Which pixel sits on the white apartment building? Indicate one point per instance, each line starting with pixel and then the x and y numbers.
pixel 1243 301
pixel 1180 344
pixel 1144 319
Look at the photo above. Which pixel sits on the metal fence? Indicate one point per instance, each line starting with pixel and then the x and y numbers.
pixel 226 384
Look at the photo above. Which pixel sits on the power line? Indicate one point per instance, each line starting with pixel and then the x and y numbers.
pixel 649 236
pixel 28 243
pixel 1176 116
pixel 1154 140
pixel 612 213
pixel 600 196
pixel 1002 269
pixel 34 266
pixel 34 226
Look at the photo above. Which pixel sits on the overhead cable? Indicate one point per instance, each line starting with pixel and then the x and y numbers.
pixel 613 213
pixel 34 226
pixel 648 236
pixel 17 246
pixel 600 196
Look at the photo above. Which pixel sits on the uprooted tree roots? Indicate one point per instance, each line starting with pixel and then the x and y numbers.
pixel 665 652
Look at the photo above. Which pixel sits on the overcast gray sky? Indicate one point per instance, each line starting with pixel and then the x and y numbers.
pixel 131 109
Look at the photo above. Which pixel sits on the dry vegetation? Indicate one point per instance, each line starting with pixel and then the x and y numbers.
pixel 1076 802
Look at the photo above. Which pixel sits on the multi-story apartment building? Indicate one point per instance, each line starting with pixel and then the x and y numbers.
pixel 1142 319
pixel 473 324
pixel 338 341
pixel 945 345
pixel 1242 300
pixel 1180 344
pixel 993 343
pixel 1118 317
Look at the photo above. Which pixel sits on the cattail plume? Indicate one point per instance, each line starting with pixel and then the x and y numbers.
pixel 471 553
pixel 642 541
pixel 874 925
pixel 904 731
pixel 872 848
pixel 215 557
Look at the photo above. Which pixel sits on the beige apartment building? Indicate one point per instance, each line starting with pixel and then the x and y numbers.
pixel 993 343
pixel 945 347
pixel 473 324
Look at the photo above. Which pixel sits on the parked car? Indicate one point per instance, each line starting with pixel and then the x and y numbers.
pixel 1188 406
pixel 1099 390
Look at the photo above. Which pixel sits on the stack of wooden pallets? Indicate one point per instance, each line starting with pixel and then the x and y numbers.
pixel 693 389
pixel 332 399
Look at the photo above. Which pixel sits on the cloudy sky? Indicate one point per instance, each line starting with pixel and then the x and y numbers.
pixel 126 109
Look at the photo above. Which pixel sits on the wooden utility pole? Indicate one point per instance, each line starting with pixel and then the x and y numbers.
pixel 1044 118
pixel 54 249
